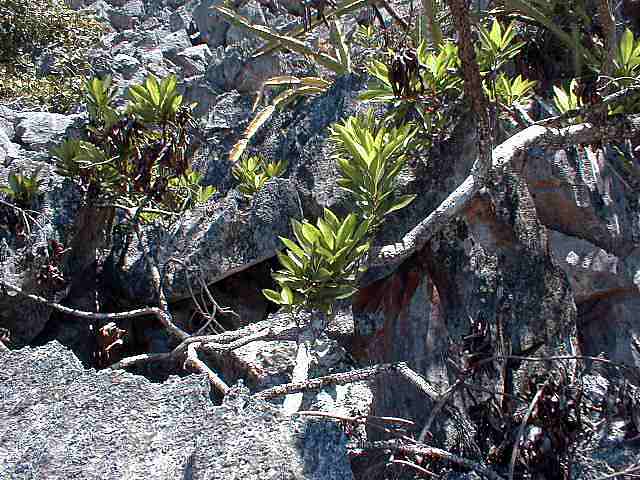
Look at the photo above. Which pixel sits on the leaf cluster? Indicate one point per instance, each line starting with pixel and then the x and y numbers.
pixel 138 153
pixel 370 156
pixel 253 172
pixel 320 266
pixel 23 189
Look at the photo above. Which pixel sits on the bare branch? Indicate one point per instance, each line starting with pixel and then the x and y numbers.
pixel 163 317
pixel 523 425
pixel 350 377
pixel 632 470
pixel 418 468
pixel 535 135
pixel 194 363
pixel 431 452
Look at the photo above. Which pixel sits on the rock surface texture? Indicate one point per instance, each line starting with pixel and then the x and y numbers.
pixel 60 421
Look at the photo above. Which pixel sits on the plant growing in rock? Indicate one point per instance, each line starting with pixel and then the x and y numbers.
pixel 321 266
pixel 253 172
pixel 23 189
pixel 139 154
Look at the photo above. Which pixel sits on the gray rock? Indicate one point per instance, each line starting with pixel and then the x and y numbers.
pixel 234 68
pixel 60 421
pixel 218 240
pixel 42 130
pixel 193 60
pixel 180 20
pixel 210 25
pixel 8 149
pixel 173 43
pixel 126 65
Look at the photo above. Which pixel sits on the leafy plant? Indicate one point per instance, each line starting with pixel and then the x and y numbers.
pixel 370 156
pixel 253 172
pixel 28 27
pixel 136 154
pixel 627 61
pixel 510 90
pixel 23 189
pixel 320 266
pixel 566 101
pixel 496 46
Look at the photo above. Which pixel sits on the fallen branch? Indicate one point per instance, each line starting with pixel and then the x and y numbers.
pixel 163 317
pixel 430 452
pixel 350 377
pixel 632 470
pixel 194 363
pixel 418 468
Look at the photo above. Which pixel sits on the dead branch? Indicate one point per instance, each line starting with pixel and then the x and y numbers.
pixel 632 470
pixel 430 452
pixel 523 425
pixel 194 363
pixel 436 409
pixel 350 377
pixel 418 468
pixel 163 317
pixel 504 154
pixel 358 419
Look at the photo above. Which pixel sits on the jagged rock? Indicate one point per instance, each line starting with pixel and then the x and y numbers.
pixel 8 149
pixel 171 44
pixel 180 19
pixel 193 60
pixel 218 240
pixel 40 131
pixel 234 68
pixel 61 421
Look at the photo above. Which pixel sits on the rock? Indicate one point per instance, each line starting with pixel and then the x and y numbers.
pixel 171 44
pixel 41 130
pixel 143 429
pixel 8 149
pixel 127 16
pixel 218 240
pixel 234 68
pixel 180 20
pixel 212 28
pixel 126 65
pixel 193 60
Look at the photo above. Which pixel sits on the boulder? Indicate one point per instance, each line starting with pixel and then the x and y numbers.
pixel 61 421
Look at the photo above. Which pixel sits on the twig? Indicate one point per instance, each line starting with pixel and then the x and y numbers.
pixel 629 471
pixel 418 468
pixel 431 452
pixel 523 425
pixel 349 377
pixel 161 315
pixel 195 363
pixel 358 419
pixel 436 409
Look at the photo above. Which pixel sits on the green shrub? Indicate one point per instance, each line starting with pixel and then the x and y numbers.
pixel 27 27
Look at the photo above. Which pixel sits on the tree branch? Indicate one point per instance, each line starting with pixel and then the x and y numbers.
pixel 350 377
pixel 163 317
pixel 194 363
pixel 430 452
pixel 503 155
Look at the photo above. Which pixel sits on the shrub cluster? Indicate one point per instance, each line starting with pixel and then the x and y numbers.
pixel 30 27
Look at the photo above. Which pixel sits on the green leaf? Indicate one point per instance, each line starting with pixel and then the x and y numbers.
pixel 287 296
pixel 293 247
pixel 401 203
pixel 272 295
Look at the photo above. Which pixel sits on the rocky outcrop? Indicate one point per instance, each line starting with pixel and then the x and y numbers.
pixel 60 421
